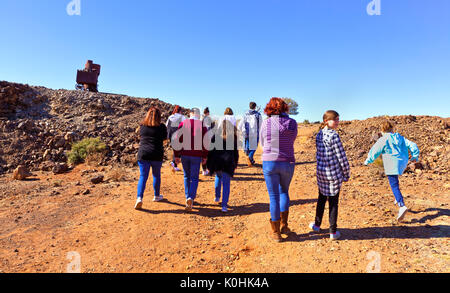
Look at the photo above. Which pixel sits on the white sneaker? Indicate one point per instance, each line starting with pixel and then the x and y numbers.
pixel 217 200
pixel 335 236
pixel 395 202
pixel 313 227
pixel 158 198
pixel 189 203
pixel 224 210
pixel 401 213
pixel 138 204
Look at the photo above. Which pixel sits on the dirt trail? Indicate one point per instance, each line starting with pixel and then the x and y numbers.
pixel 44 218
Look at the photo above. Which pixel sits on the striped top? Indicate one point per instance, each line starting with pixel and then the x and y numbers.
pixel 278 134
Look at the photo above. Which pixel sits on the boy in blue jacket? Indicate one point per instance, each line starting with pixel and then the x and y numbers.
pixel 394 149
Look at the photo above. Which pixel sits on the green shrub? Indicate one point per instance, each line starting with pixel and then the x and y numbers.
pixel 88 146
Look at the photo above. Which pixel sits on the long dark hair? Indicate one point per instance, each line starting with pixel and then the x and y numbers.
pixel 229 131
pixel 153 117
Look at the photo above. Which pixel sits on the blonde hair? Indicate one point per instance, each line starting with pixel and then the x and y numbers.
pixel 387 126
pixel 329 115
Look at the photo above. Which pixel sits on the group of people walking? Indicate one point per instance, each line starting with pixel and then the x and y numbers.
pixel 198 141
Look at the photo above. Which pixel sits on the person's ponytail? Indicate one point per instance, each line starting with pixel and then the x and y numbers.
pixel 329 115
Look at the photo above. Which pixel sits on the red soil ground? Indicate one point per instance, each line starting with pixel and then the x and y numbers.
pixel 47 216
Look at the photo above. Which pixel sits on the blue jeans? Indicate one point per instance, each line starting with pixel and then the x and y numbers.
pixel 250 153
pixel 191 170
pixel 144 168
pixel 395 186
pixel 278 176
pixel 223 179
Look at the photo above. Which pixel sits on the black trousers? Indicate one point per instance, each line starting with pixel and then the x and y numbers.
pixel 333 203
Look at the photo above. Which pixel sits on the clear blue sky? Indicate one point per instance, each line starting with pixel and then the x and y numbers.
pixel 326 54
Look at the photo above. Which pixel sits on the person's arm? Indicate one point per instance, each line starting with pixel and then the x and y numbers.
pixel 178 136
pixel 262 134
pixel 167 122
pixel 295 128
pixel 204 147
pixel 138 132
pixel 339 151
pixel 413 149
pixel 376 150
pixel 164 134
pixel 236 158
pixel 241 126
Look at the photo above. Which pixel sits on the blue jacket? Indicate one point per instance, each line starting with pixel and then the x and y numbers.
pixel 394 149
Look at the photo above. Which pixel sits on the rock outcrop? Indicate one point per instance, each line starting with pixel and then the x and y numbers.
pixel 38 125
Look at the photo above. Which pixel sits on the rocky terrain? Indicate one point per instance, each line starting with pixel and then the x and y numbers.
pixel 38 125
pixel 48 218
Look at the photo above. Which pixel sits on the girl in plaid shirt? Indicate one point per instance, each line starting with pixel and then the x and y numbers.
pixel 332 169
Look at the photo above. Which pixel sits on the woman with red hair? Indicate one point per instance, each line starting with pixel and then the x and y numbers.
pixel 278 134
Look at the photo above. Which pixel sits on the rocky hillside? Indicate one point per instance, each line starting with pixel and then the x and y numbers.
pixel 38 125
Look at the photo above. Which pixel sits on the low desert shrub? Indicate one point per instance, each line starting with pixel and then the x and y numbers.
pixel 84 148
pixel 117 174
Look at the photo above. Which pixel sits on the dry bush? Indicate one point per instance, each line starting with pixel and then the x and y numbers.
pixel 94 159
pixel 117 174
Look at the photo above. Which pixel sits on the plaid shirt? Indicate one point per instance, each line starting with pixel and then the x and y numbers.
pixel 332 164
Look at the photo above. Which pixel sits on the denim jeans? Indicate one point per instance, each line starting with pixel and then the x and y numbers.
pixel 144 168
pixel 191 169
pixel 223 179
pixel 250 153
pixel 395 186
pixel 278 176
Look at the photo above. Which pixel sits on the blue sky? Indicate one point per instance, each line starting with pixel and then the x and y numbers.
pixel 325 54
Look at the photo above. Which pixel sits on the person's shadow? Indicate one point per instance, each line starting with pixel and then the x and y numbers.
pixel 371 233
pixel 440 212
pixel 214 209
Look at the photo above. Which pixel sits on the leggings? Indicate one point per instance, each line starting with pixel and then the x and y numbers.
pixel 333 203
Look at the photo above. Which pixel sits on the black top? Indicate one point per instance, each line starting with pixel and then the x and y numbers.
pixel 223 160
pixel 151 144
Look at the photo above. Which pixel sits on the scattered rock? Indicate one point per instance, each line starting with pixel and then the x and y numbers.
pixel 60 168
pixel 97 179
pixel 21 173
